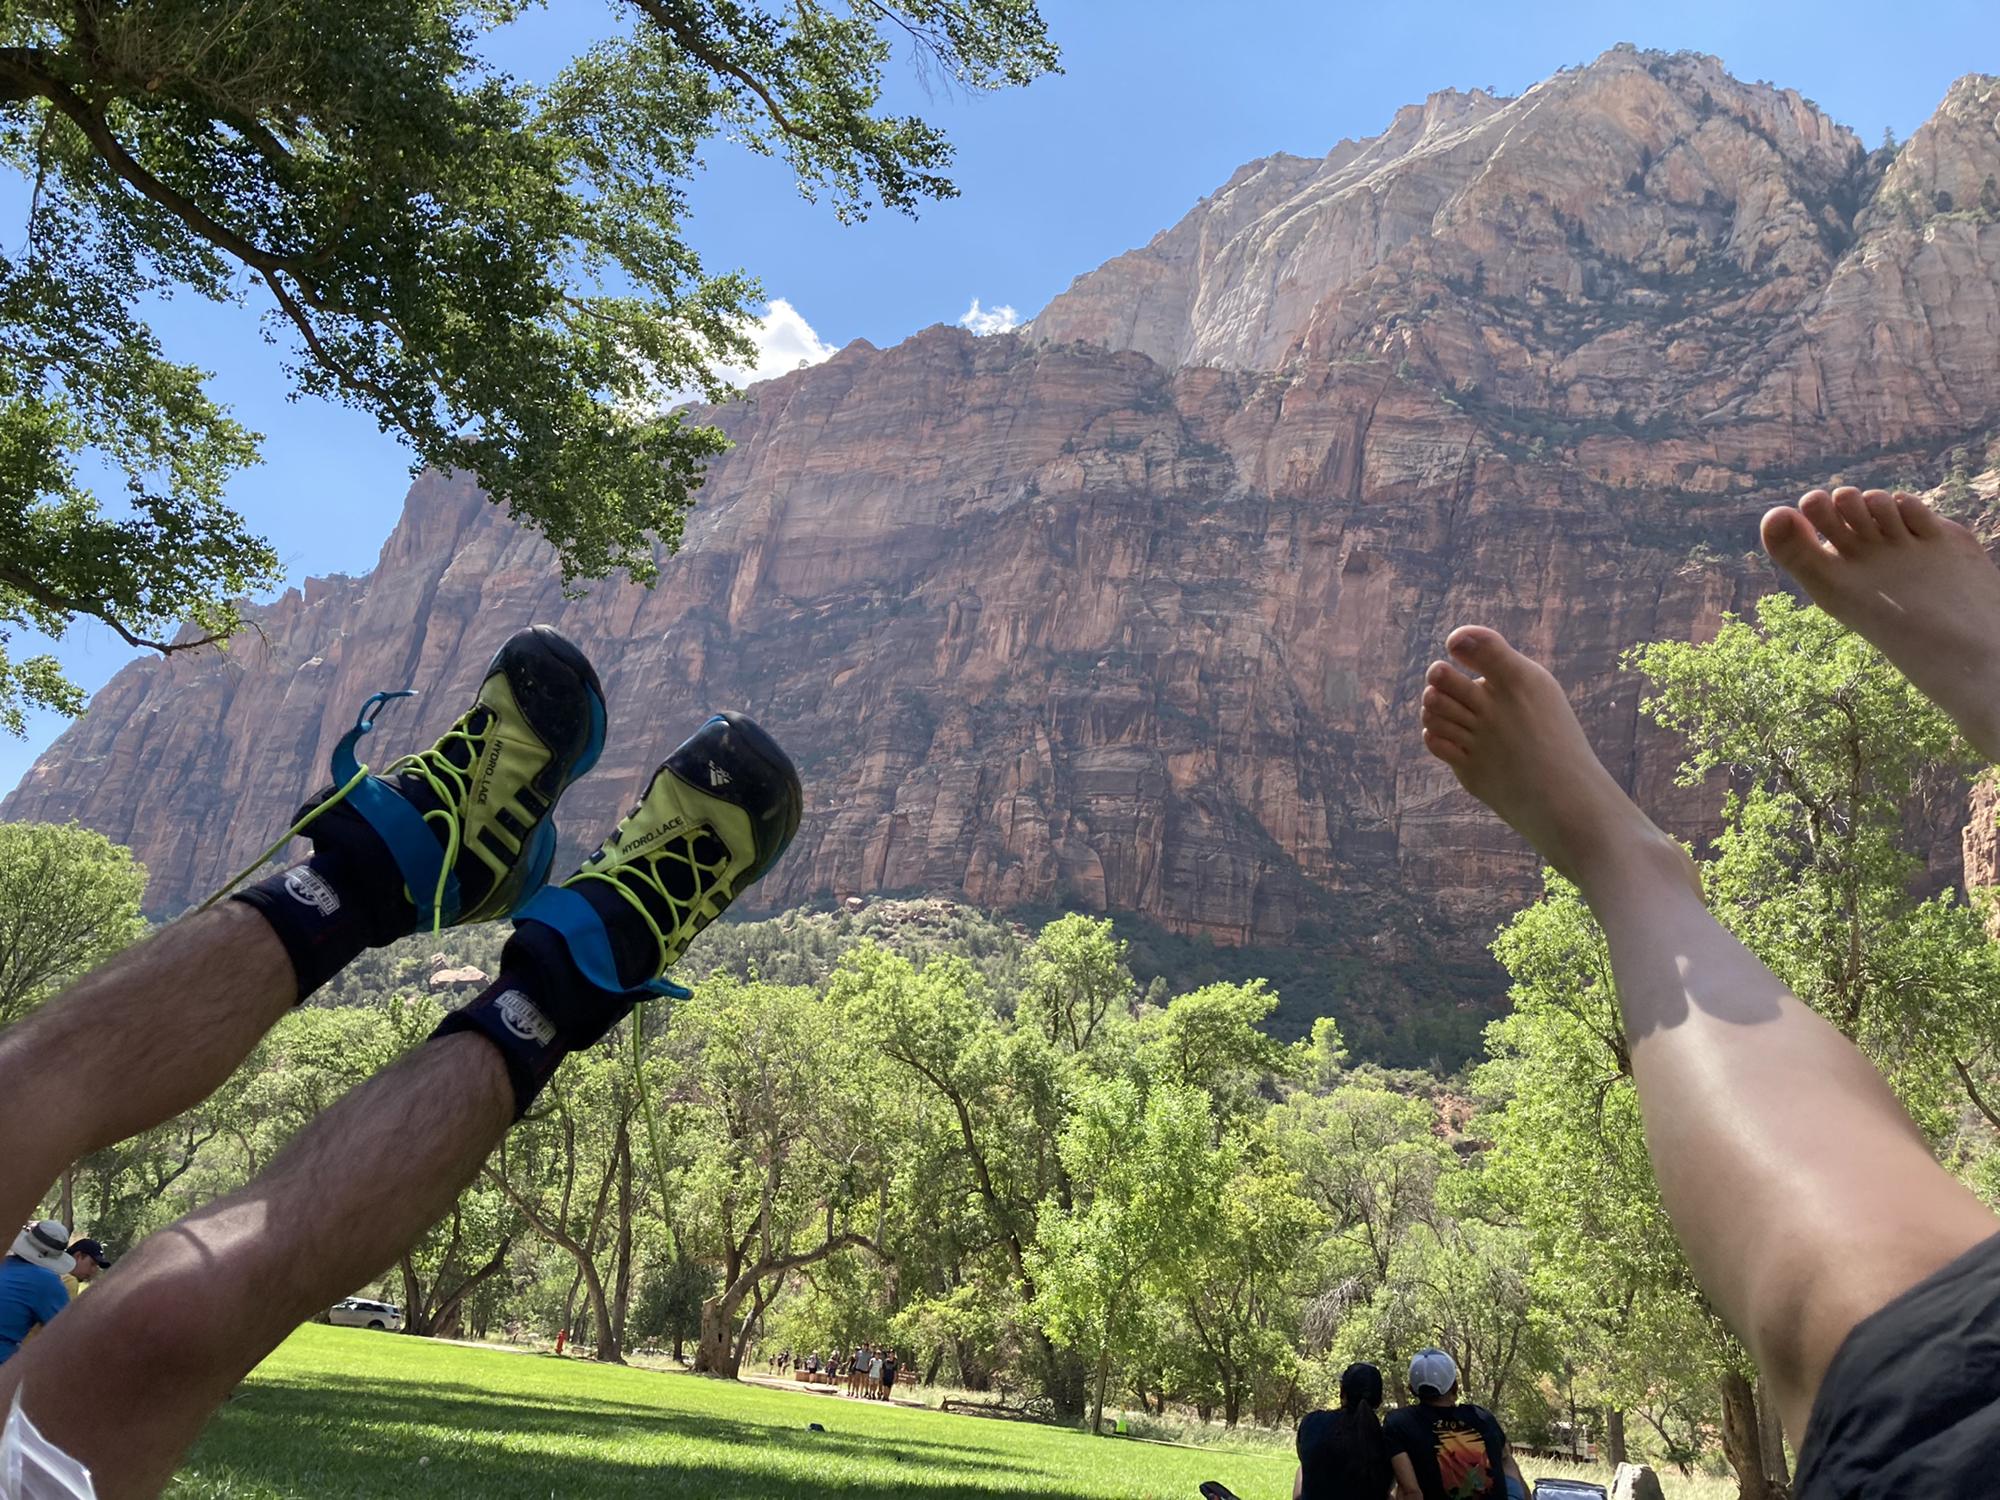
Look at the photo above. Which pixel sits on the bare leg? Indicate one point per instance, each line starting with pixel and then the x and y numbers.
pixel 183 1319
pixel 1803 1194
pixel 152 1033
pixel 1916 584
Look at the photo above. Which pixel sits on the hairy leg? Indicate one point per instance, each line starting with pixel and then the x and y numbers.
pixel 178 1323
pixel 1916 584
pixel 151 1033
pixel 1802 1192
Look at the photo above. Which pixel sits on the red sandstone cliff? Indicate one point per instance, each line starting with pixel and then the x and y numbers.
pixel 1129 610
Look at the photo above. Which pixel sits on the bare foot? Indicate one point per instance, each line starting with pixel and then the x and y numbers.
pixel 1917 585
pixel 1505 728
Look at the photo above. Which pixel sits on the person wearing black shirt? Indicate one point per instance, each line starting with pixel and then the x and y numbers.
pixel 1343 1454
pixel 1442 1448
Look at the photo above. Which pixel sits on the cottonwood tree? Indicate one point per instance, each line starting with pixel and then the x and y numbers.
pixel 1826 748
pixel 1370 1159
pixel 670 1301
pixel 569 1169
pixel 496 273
pixel 774 1104
pixel 1144 1167
pixel 1238 1299
pixel 69 899
pixel 454 1258
pixel 1006 1088
pixel 1208 1039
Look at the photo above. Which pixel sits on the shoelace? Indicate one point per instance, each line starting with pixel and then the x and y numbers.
pixel 362 725
pixel 451 784
pixel 703 879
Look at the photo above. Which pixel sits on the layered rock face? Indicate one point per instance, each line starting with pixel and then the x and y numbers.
pixel 1129 611
pixel 1982 849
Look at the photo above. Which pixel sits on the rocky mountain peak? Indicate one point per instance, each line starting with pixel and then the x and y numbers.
pixel 1638 163
pixel 1950 166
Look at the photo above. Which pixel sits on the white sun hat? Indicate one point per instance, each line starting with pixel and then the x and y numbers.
pixel 45 1243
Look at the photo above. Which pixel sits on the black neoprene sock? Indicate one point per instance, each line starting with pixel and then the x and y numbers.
pixel 541 1008
pixel 348 896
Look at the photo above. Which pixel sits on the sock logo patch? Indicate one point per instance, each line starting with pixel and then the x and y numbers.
pixel 308 888
pixel 524 1018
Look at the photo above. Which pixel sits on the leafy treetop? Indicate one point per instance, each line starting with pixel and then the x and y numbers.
pixel 498 274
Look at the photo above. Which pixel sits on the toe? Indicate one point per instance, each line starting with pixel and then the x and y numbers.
pixel 1479 649
pixel 1791 538
pixel 1919 518
pixel 1888 520
pixel 1442 709
pixel 1452 681
pixel 1818 508
pixel 1854 511
pixel 1446 749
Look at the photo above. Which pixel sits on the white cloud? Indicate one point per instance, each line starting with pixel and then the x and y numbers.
pixel 785 342
pixel 985 320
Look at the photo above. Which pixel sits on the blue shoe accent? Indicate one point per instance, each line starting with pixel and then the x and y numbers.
pixel 595 745
pixel 412 844
pixel 577 923
pixel 537 858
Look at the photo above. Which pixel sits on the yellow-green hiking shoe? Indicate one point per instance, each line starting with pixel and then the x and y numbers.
pixel 714 819
pixel 468 823
pixel 718 814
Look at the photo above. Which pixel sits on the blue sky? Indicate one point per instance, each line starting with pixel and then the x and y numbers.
pixel 1159 102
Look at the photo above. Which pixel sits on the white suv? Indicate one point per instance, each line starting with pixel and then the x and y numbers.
pixel 359 1312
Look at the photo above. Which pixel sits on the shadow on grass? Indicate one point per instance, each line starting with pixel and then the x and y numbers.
pixel 343 1436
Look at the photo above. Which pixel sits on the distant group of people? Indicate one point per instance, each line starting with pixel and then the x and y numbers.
pixel 1437 1448
pixel 870 1372
pixel 43 1270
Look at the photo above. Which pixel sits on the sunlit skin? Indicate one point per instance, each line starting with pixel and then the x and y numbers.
pixel 112 1038
pixel 1915 583
pixel 1802 1192
pixel 196 1306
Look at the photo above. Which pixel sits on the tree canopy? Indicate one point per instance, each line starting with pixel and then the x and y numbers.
pixel 499 274
pixel 69 899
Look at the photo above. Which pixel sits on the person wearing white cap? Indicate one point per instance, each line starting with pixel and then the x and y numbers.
pixel 1443 1448
pixel 31 1287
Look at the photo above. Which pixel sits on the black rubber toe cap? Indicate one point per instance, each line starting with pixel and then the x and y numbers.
pixel 730 757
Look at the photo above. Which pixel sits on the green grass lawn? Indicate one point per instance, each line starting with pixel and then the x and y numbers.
pixel 346 1412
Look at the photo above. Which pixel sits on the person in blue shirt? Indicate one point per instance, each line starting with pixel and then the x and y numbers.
pixel 31 1288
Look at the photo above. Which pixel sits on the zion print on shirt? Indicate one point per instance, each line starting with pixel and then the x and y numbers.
pixel 1464 1465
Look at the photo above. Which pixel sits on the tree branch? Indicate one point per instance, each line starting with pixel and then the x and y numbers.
pixel 692 42
pixel 554 1233
pixel 778 1265
pixel 458 1294
pixel 1972 1090
pixel 48 598
pixel 21 68
pixel 289 305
